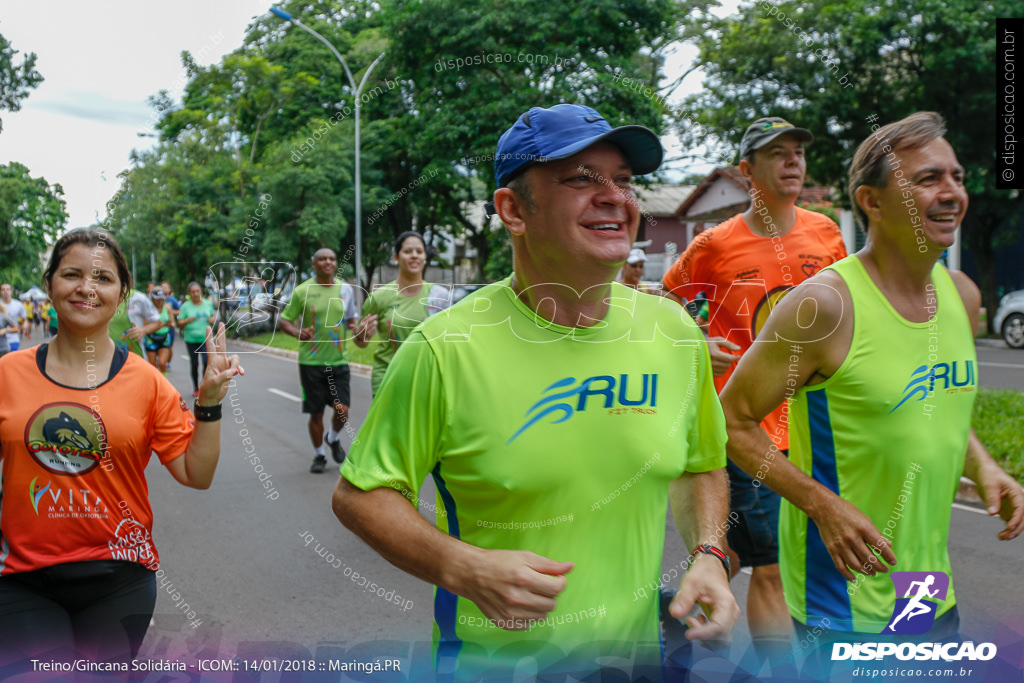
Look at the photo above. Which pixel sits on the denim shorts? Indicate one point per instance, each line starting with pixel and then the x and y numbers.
pixel 754 535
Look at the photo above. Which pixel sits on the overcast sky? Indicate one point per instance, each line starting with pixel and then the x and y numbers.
pixel 101 61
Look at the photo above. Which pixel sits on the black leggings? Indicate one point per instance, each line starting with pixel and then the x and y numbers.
pixel 98 610
pixel 195 352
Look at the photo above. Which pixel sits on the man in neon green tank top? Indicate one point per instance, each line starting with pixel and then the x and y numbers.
pixel 557 412
pixel 876 356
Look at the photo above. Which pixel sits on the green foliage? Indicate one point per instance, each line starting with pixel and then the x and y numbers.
pixel 469 70
pixel 826 208
pixel 32 214
pixel 885 61
pixel 277 119
pixel 500 264
pixel 16 79
pixel 998 415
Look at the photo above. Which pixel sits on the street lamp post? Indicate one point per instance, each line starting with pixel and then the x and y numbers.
pixel 357 90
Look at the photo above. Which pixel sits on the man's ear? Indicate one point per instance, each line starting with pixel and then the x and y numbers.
pixel 510 208
pixel 867 199
pixel 746 170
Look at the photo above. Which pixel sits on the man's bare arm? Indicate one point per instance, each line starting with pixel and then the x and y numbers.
pixel 805 340
pixel 700 506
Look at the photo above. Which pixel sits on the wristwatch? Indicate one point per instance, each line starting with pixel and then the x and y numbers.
pixel 708 549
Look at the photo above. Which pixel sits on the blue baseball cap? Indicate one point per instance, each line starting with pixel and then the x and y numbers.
pixel 542 135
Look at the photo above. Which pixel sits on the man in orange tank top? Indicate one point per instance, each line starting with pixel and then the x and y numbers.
pixel 745 266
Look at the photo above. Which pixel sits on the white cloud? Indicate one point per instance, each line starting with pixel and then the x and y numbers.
pixel 102 61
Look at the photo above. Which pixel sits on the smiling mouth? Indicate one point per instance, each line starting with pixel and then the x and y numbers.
pixel 604 227
pixel 946 218
pixel 83 304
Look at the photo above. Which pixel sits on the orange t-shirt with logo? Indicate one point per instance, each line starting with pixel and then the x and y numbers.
pixel 74 460
pixel 744 275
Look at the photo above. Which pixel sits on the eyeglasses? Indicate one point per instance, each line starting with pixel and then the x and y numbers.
pixel 638 264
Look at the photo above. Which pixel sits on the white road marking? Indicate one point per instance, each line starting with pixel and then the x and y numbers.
pixel 1001 365
pixel 970 509
pixel 284 394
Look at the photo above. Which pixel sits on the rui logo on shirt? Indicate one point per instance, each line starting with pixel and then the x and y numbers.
pixel 924 379
pixel 566 397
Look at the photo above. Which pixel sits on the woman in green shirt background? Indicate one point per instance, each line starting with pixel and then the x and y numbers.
pixel 194 315
pixel 394 310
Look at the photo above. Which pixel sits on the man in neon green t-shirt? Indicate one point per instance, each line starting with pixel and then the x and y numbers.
pixel 557 413
pixel 876 356
pixel 320 314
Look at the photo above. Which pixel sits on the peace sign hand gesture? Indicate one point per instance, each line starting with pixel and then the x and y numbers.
pixel 220 368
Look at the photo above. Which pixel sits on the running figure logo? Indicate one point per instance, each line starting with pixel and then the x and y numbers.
pixel 922 592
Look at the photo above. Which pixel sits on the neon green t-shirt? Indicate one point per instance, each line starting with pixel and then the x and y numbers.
pixel 887 432
pixel 195 331
pixel 327 308
pixel 399 316
pixel 560 441
pixel 165 317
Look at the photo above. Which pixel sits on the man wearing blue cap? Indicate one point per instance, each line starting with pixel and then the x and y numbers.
pixel 554 447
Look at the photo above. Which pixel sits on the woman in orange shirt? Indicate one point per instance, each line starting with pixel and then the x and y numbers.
pixel 77 560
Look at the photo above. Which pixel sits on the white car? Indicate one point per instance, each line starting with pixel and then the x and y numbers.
pixel 1009 320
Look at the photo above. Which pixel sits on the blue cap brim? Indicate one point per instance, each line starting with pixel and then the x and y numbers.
pixel 638 144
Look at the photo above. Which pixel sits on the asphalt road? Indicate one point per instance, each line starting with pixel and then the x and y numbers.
pixel 248 565
pixel 999 366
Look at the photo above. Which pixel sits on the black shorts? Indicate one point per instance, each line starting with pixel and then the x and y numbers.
pixel 324 385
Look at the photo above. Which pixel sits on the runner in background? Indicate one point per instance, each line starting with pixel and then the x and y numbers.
pixel 135 318
pixel 195 314
pixel 320 314
pixel 174 304
pixel 394 310
pixel 633 270
pixel 745 266
pixel 16 310
pixel 44 316
pixel 8 324
pixel 158 342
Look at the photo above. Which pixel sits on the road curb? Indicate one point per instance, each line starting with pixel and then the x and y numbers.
pixel 249 347
pixel 967 493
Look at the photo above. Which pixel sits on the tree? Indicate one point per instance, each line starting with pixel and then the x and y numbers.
pixel 277 115
pixel 470 72
pixel 16 79
pixel 32 214
pixel 886 61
